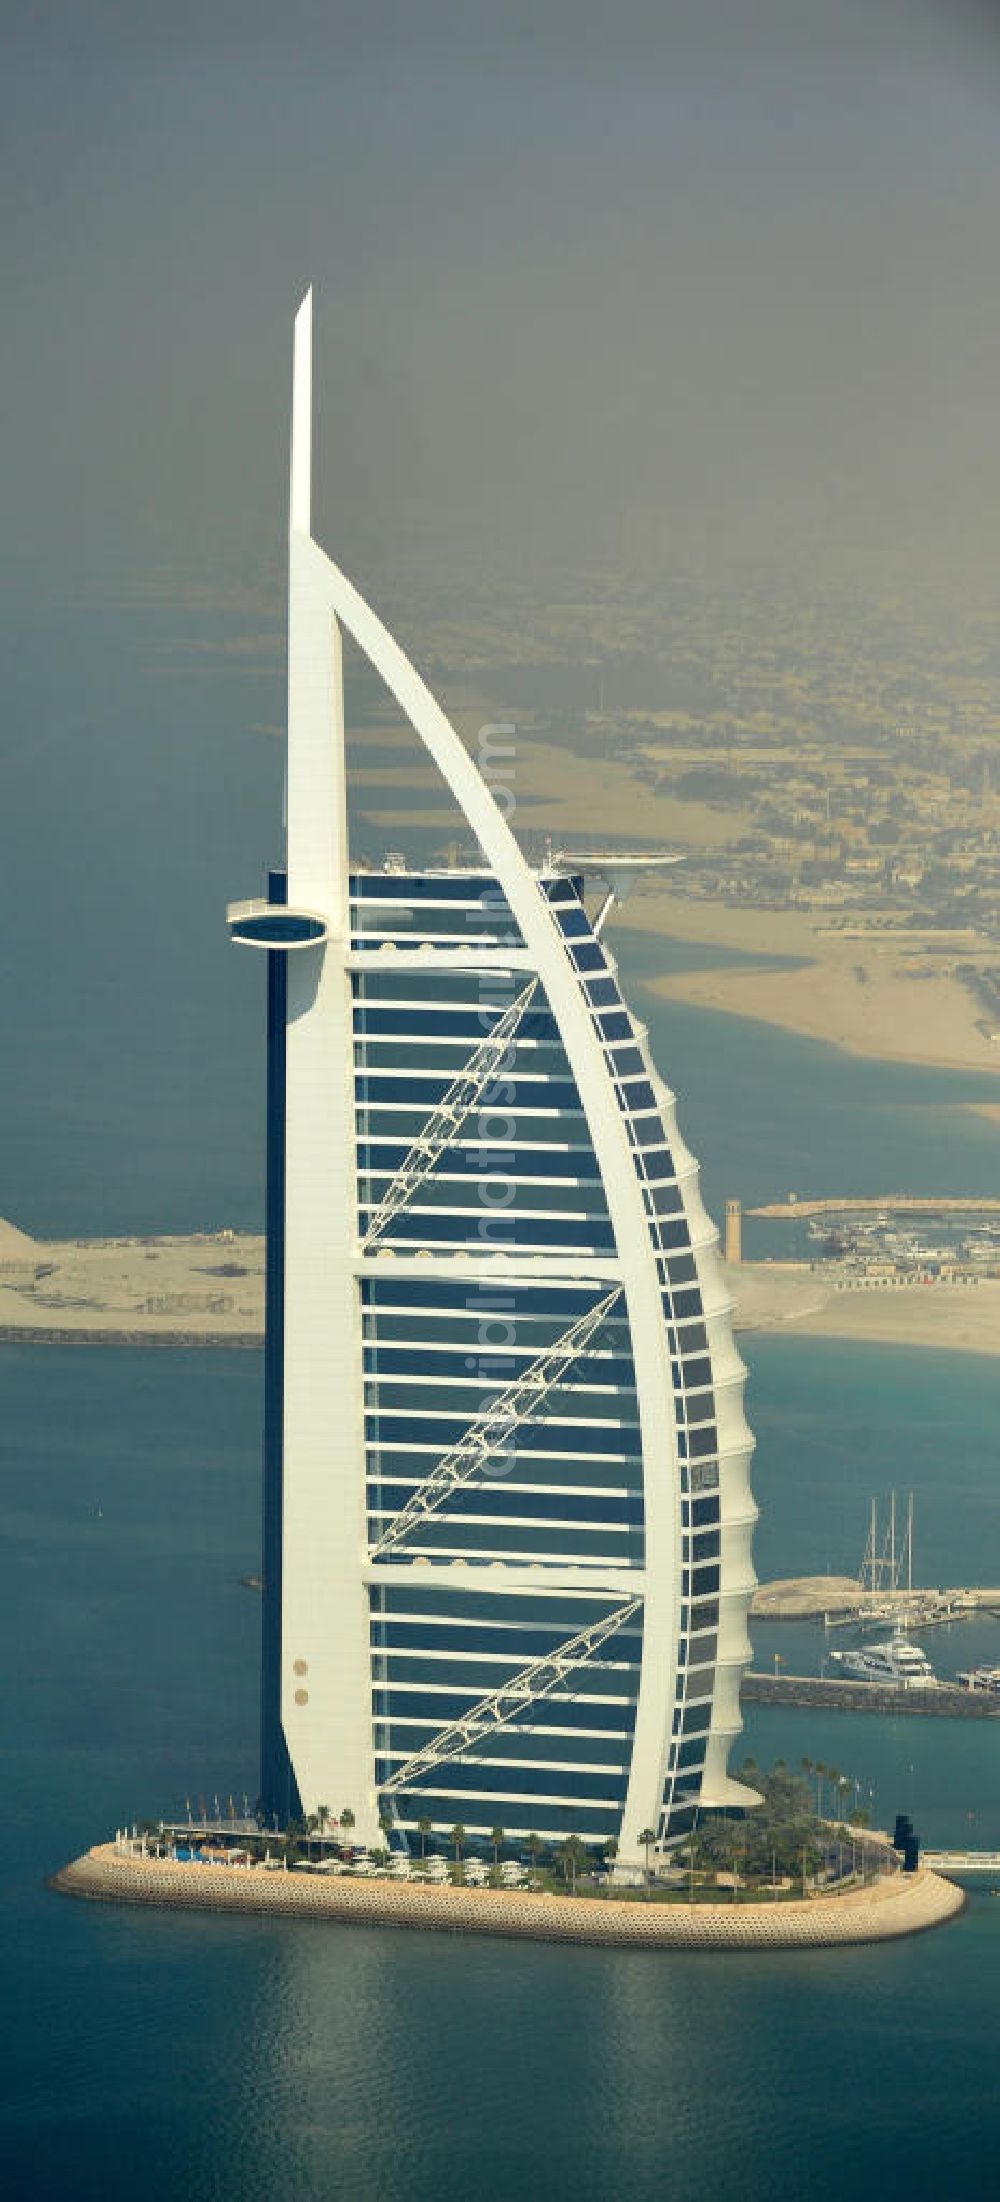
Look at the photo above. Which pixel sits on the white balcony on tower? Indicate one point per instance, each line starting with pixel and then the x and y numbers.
pixel 260 924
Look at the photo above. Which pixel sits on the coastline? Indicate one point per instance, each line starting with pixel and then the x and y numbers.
pixel 901 1905
pixel 906 1006
pixel 757 999
pixel 205 1289
pixel 25 1334
pixel 792 1298
pixel 881 994
pixel 208 1291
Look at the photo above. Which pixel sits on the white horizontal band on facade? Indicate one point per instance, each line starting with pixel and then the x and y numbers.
pixel 531 1484
pixel 518 1578
pixel 561 1418
pixel 500 1660
pixel 539 1726
pixel 509 1765
pixel 526 1451
pixel 399 1616
pixel 487 1383
pixel 409 1732
pixel 481 1798
pixel 527 1313
pixel 446 1556
pixel 491 1267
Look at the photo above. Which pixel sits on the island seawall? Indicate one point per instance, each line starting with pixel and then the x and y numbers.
pixel 902 1904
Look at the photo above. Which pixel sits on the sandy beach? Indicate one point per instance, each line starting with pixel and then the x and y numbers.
pixel 789 1296
pixel 892 995
pixel 556 793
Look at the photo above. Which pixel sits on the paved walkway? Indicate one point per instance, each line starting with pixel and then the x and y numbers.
pixel 903 1904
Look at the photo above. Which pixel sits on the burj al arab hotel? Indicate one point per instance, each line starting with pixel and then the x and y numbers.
pixel 507 1514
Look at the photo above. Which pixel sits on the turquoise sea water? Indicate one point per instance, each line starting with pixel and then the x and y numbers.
pixel 204 2058
pixel 769 1113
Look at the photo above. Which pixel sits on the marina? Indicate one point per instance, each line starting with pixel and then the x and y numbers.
pixel 883 1593
pixel 876 1248
pixel 841 1601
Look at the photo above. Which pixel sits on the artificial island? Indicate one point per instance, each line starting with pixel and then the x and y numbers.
pixel 507 1516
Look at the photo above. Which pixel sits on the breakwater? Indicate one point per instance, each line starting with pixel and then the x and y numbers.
pixel 892 1204
pixel 866 1697
pixel 899 1905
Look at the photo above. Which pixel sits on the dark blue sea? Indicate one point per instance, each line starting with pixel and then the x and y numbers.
pixel 217 2061
pixel 199 2057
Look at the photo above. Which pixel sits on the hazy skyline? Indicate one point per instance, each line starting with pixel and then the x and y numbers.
pixel 731 270
pixel 631 294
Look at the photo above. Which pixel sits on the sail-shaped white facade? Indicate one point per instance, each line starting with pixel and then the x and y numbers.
pixel 507 1509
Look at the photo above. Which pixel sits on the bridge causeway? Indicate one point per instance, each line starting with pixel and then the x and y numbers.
pixel 961 1861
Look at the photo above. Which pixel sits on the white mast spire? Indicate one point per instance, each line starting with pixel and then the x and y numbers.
pixel 317 792
pixel 300 503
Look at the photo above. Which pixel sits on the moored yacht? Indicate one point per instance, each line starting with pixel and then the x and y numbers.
pixel 980 1678
pixel 895 1662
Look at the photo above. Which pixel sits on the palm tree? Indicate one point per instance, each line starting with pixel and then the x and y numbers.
pixel 458 1838
pixel 611 1853
pixel 819 1770
pixel 535 1847
pixel 647 1837
pixel 424 1827
pixel 322 1818
pixel 312 1824
pixel 573 1853
pixel 498 1837
pixel 346 1820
